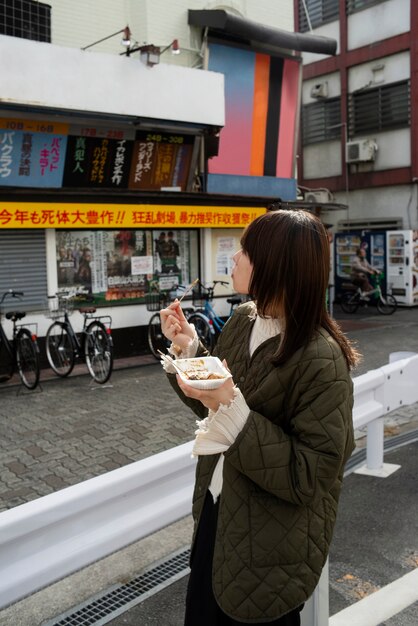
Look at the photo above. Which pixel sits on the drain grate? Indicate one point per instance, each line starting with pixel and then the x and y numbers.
pixel 107 605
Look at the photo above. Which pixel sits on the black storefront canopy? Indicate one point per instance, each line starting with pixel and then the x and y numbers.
pixel 227 25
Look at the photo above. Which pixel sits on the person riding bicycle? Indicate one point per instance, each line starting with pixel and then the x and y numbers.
pixel 360 268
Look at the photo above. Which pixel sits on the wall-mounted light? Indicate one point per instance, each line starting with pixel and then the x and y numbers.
pixel 174 46
pixel 126 38
pixel 150 54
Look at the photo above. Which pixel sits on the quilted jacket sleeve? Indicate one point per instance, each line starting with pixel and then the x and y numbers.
pixel 301 464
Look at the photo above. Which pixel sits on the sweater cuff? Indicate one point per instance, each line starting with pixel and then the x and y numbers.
pixel 188 353
pixel 218 431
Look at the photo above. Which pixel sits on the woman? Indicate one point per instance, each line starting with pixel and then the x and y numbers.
pixel 274 439
pixel 360 267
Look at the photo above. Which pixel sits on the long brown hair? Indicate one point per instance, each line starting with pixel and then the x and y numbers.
pixel 289 252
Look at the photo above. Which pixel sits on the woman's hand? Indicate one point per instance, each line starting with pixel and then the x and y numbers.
pixel 175 326
pixel 210 398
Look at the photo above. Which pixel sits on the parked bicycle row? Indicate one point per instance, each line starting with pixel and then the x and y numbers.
pixel 63 345
pixel 93 344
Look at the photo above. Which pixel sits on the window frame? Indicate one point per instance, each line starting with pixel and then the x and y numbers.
pixel 15 14
pixel 350 7
pixel 303 22
pixel 329 134
pixel 357 128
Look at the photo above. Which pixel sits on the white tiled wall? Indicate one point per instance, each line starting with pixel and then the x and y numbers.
pixel 78 23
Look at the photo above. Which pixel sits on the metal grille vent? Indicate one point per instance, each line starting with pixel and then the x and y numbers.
pixel 321 121
pixel 380 108
pixel 107 605
pixel 320 12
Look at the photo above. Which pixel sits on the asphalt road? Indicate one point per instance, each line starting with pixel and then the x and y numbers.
pixel 375 542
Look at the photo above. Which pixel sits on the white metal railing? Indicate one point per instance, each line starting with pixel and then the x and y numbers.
pixel 47 539
pixel 377 393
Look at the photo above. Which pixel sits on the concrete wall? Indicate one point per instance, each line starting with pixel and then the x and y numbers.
pixel 399 201
pixel 391 18
pixel 79 23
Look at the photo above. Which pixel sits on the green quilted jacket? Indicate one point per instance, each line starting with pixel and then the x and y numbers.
pixel 282 476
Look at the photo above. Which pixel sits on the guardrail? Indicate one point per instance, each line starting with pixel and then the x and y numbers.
pixel 49 538
pixel 377 393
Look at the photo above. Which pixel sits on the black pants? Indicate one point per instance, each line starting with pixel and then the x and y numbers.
pixel 201 606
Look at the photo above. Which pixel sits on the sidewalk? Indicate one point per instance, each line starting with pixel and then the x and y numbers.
pixel 73 429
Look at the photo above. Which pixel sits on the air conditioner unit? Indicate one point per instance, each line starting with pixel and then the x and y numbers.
pixel 318 197
pixel 319 90
pixel 361 151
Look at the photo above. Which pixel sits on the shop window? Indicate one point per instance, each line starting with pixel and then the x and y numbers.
pixel 321 121
pixel 26 19
pixel 359 5
pixel 319 11
pixel 382 108
pixel 122 266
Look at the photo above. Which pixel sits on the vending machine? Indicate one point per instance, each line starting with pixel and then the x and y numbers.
pixel 345 247
pixel 402 265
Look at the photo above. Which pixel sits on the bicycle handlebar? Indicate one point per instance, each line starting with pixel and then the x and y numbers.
pixel 12 294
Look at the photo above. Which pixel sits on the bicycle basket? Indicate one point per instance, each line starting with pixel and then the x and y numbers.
pixel 58 305
pixel 200 295
pixel 155 301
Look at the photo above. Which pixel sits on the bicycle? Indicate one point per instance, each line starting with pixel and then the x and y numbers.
pixel 63 345
pixel 385 304
pixel 207 323
pixel 22 351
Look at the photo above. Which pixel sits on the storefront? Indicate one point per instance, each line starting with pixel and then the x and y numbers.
pixel 117 248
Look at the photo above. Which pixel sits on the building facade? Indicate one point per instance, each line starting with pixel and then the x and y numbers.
pixel 359 115
pixel 126 169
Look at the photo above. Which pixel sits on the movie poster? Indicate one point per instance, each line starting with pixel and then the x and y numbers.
pixel 121 266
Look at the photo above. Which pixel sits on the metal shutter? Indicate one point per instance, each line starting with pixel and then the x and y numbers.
pixel 23 267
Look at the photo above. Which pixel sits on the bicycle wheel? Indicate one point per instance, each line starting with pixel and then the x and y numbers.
pixel 156 339
pixel 98 352
pixel 203 329
pixel 386 305
pixel 27 358
pixel 350 302
pixel 60 349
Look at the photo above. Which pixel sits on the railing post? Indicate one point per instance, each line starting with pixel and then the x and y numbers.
pixel 316 609
pixel 375 437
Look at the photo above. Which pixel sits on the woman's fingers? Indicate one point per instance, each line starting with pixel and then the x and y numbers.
pixel 176 308
pixel 188 391
pixel 212 398
pixel 172 326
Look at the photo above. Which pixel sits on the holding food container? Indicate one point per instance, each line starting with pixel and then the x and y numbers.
pixel 274 431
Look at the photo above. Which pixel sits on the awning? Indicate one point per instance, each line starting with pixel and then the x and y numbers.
pixel 224 23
